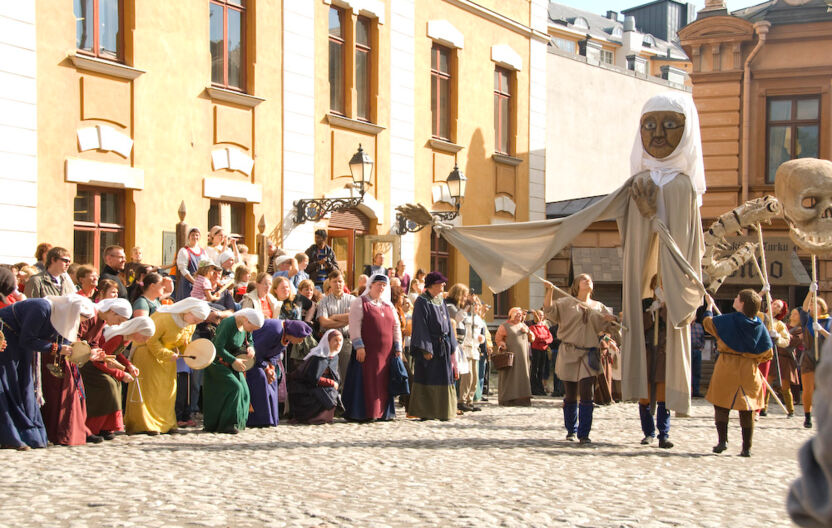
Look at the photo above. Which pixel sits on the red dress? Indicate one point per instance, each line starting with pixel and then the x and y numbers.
pixel 65 408
pixel 377 324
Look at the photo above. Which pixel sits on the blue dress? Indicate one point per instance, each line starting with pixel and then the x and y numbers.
pixel 433 395
pixel 28 330
pixel 268 350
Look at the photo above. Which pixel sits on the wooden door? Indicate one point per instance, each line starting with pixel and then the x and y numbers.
pixel 342 242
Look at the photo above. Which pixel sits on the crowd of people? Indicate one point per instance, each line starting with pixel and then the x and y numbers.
pixel 295 343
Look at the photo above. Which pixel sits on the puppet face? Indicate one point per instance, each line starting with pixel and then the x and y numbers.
pixel 804 188
pixel 661 132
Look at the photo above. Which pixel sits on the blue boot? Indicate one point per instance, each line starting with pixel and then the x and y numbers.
pixel 570 419
pixel 585 421
pixel 648 427
pixel 663 425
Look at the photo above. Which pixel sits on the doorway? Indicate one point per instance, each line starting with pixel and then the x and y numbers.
pixel 342 242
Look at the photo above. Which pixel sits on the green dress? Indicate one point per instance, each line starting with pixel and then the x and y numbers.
pixel 225 391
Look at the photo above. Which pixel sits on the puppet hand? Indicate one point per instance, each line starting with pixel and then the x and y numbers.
pixel 773 334
pixel 766 289
pixel 360 354
pixel 813 287
pixel 655 307
pixel 816 326
pixel 127 378
pixel 644 193
pixel 133 371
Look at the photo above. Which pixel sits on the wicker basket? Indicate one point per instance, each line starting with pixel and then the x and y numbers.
pixel 502 360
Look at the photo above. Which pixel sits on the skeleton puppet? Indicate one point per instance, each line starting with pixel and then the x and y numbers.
pixel 657 211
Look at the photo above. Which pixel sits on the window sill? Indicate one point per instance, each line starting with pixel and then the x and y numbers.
pixel 230 96
pixel 113 69
pixel 505 159
pixel 445 146
pixel 354 124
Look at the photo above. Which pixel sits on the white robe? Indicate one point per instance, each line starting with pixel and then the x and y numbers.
pixel 500 254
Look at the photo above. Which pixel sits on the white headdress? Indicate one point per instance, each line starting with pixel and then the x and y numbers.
pixel 322 350
pixel 687 158
pixel 117 305
pixel 379 277
pixel 254 317
pixel 143 325
pixel 67 311
pixel 192 305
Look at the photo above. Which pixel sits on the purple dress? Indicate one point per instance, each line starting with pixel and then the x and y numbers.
pixel 268 350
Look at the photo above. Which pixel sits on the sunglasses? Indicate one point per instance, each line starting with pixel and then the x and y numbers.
pixel 66 259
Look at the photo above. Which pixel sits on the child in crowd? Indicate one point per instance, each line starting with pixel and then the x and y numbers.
pixel 202 281
pixel 743 343
pixel 107 289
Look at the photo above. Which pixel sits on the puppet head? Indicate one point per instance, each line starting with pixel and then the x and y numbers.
pixel 668 139
pixel 804 188
pixel 661 132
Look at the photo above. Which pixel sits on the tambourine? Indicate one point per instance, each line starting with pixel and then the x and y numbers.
pixel 81 352
pixel 2 339
pixel 249 362
pixel 199 353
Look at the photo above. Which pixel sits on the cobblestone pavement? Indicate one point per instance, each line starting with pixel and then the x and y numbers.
pixel 498 467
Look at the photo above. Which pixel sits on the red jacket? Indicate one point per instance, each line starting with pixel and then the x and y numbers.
pixel 542 336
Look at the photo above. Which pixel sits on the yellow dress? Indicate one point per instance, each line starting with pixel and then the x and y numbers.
pixel 153 409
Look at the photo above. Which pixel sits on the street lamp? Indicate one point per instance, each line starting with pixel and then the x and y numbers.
pixel 456 188
pixel 361 170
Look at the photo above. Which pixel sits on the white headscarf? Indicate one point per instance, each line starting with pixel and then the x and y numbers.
pixel 322 350
pixel 225 255
pixel 67 311
pixel 687 158
pixel 143 325
pixel 385 295
pixel 254 317
pixel 119 306
pixel 192 305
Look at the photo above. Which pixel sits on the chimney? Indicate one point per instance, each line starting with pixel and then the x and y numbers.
pixel 714 5
pixel 629 23
pixel 612 15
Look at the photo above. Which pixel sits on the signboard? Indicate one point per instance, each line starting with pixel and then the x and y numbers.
pixel 168 248
pixel 784 266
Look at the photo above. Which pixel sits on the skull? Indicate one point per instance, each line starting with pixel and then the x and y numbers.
pixel 804 188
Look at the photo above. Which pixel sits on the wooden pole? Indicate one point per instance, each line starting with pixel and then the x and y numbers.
pixel 815 300
pixel 657 313
pixel 762 269
pixel 262 246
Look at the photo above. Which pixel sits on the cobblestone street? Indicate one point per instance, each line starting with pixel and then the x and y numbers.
pixel 501 466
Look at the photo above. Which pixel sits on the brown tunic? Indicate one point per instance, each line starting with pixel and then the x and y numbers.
pixel 736 383
pixel 578 329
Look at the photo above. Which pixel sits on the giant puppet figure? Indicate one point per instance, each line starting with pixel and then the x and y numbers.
pixel 657 211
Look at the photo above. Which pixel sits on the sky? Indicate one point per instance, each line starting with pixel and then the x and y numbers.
pixel 602 6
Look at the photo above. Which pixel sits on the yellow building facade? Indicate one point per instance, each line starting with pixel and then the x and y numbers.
pixel 240 108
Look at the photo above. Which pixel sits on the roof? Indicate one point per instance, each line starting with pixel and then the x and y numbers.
pixel 601 27
pixel 780 12
pixel 604 265
pixel 636 8
pixel 568 207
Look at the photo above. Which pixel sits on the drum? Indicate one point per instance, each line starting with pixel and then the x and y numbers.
pixel 80 354
pixel 247 360
pixel 199 354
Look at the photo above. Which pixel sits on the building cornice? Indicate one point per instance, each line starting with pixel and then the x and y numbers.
pixel 230 96
pixel 354 124
pixel 502 20
pixel 113 69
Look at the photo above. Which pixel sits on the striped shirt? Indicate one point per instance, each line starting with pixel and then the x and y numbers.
pixel 330 306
